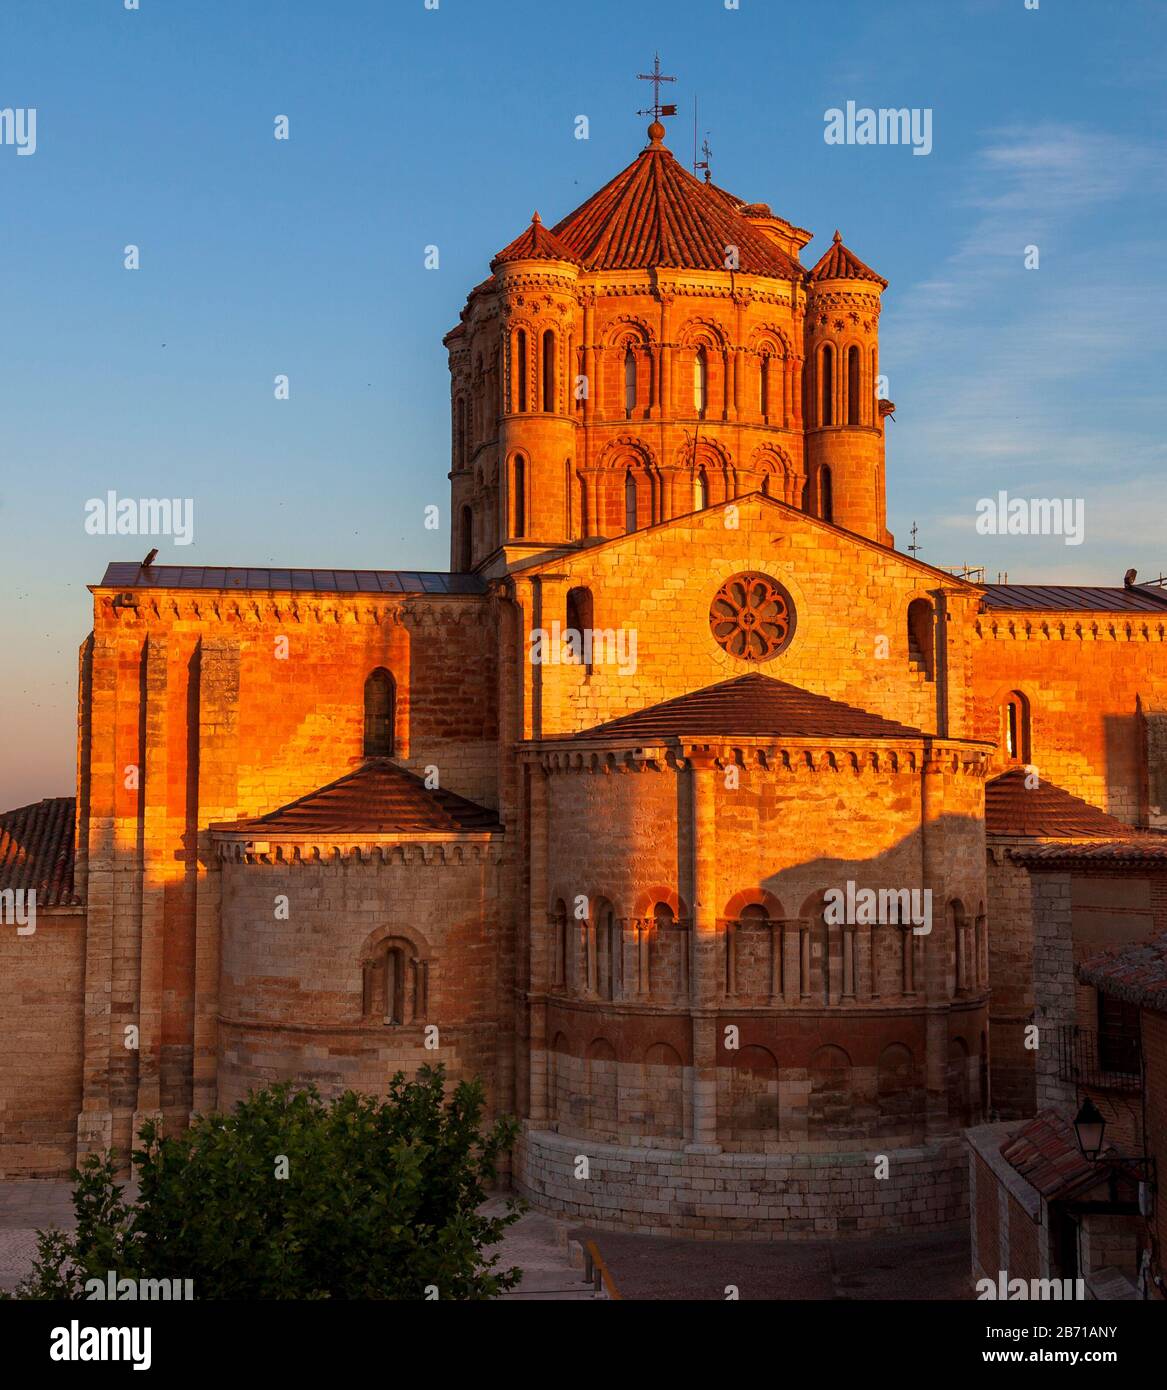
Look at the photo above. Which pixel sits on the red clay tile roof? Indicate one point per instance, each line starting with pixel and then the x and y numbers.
pixel 1043 597
pixel 378 798
pixel 36 850
pixel 1045 1152
pixel 752 706
pixel 731 200
pixel 1045 812
pixel 837 263
pixel 535 243
pixel 1136 973
pixel 1140 851
pixel 655 213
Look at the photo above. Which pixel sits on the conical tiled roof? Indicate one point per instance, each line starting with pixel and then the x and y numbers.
pixel 379 798
pixel 534 243
pixel 837 263
pixel 1046 811
pixel 655 213
pixel 752 706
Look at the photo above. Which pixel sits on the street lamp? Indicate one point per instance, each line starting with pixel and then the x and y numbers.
pixel 1089 1126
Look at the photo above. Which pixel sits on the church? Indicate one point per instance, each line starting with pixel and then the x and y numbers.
pixel 598 814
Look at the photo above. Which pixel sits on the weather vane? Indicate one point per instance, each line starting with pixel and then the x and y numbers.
pixel 704 163
pixel 656 77
pixel 913 548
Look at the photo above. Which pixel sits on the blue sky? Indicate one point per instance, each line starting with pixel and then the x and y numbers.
pixel 411 127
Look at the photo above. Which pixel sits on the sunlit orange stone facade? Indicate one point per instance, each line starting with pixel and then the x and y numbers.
pixel 602 886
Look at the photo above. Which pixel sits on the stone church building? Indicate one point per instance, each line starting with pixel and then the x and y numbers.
pixel 598 814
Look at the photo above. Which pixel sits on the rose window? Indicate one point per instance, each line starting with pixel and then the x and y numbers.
pixel 752 617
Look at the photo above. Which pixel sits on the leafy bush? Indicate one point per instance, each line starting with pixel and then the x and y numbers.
pixel 380 1201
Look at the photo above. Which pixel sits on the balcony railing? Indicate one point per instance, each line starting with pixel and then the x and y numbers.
pixel 1106 1061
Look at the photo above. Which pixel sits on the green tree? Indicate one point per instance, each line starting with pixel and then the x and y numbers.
pixel 380 1200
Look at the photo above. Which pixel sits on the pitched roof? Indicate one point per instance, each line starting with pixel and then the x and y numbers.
pixel 1075 596
pixel 1045 1152
pixel 1136 973
pixel 1139 851
pixel 838 263
pixel 119 575
pixel 752 706
pixel 378 798
pixel 534 243
pixel 36 850
pixel 655 213
pixel 1045 812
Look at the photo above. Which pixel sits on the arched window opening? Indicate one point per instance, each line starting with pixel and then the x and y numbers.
pixel 700 383
pixel 921 637
pixel 764 387
pixel 466 531
pixel 579 615
pixel 629 501
pixel 460 434
pixel 629 383
pixel 519 497
pixel 380 708
pixel 395 984
pixel 827 383
pixel 959 939
pixel 521 367
pixel 700 491
pixel 766 485
pixel 852 385
pixel 805 495
pixel 826 497
pixel 1015 727
pixel 548 370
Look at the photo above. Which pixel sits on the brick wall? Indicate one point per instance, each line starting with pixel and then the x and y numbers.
pixel 40 1041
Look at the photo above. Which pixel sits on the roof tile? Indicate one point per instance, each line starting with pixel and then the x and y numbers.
pixel 1045 812
pixel 1075 597
pixel 535 243
pixel 838 263
pixel 1136 973
pixel 655 213
pixel 752 706
pixel 36 850
pixel 1046 1154
pixel 379 798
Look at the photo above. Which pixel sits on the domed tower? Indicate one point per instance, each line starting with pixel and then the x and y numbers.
pixel 639 361
pixel 844 420
pixel 512 401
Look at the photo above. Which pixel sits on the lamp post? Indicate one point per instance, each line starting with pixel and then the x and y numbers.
pixel 1089 1127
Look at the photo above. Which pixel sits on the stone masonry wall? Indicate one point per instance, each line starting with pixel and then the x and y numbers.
pixel 43 975
pixel 744 1196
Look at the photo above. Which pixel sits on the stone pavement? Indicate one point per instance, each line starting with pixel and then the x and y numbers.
pixel 26 1206
pixel 643 1267
pixel 881 1267
pixel 536 1243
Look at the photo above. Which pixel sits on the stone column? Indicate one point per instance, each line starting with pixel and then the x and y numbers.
pixel 589 358
pixel 703 974
pixel 218 737
pixel 539 940
pixel 156 874
pixel 934 948
pixel 95 1121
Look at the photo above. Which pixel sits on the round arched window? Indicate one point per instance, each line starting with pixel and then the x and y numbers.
pixel 752 617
